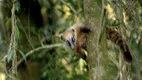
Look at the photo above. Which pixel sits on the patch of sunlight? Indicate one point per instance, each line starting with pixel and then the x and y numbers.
pixel 68 68
pixel 128 33
pixel 43 11
pixel 58 6
pixel 76 18
pixel 110 11
pixel 84 51
pixel 2 76
pixel 67 15
pixel 65 8
pixel 125 18
pixel 80 69
pixel 140 27
pixel 67 11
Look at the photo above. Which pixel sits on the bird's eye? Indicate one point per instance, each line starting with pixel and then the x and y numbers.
pixel 73 39
pixel 68 43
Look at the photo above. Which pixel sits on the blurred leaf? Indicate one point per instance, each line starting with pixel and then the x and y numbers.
pixel 103 42
pixel 115 22
pixel 9 56
pixel 18 8
pixel 17 33
pixel 23 55
pixel 17 78
pixel 134 66
pixel 8 22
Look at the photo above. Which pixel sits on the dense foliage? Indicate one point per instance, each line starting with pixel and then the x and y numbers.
pixel 60 62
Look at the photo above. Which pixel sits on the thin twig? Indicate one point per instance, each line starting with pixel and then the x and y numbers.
pixel 37 49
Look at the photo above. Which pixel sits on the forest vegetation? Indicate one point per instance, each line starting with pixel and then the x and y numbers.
pixel 31 49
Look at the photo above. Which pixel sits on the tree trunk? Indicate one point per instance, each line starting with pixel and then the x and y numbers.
pixel 93 10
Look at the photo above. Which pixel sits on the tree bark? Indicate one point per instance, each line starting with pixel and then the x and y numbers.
pixel 93 10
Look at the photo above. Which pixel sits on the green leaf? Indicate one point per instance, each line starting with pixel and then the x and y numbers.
pixel 17 33
pixel 17 78
pixel 18 7
pixel 9 56
pixel 23 55
pixel 8 22
pixel 115 23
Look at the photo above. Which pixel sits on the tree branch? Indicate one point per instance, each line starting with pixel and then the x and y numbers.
pixel 37 49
